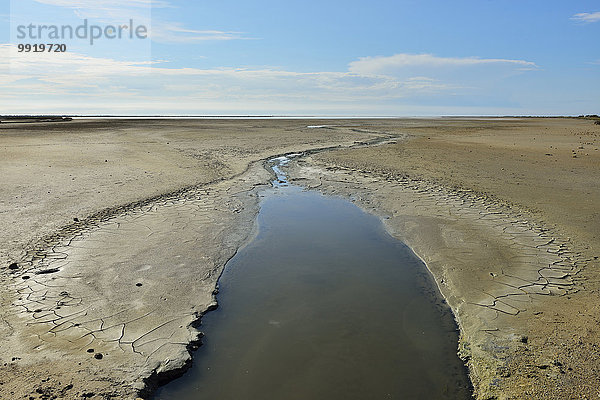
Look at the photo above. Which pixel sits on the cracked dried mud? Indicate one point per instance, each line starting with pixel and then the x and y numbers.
pixel 114 234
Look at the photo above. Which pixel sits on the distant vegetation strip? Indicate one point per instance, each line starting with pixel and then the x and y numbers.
pixel 33 118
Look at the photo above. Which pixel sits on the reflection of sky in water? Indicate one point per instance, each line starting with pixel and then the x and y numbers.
pixel 276 165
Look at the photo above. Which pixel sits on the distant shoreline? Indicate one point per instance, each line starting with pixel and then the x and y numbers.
pixel 69 117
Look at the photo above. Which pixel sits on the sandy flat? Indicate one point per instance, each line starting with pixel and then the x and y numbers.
pixel 120 229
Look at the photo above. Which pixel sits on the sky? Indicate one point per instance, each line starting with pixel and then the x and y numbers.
pixel 318 58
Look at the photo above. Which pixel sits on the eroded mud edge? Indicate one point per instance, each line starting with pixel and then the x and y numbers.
pixel 36 257
pixel 495 265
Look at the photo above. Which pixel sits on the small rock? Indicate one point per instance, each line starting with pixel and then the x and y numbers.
pixel 90 350
pixel 138 284
pixel 98 356
pixel 13 266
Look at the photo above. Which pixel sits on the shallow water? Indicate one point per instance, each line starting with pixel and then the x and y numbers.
pixel 324 304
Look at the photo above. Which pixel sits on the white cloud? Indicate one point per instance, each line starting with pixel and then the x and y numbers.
pixel 85 84
pixel 172 32
pixel 109 10
pixel 104 4
pixel 96 82
pixel 383 64
pixel 119 11
pixel 587 17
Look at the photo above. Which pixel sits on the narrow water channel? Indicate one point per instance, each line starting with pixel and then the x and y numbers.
pixel 324 304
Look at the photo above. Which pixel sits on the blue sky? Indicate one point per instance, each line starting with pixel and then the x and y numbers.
pixel 384 58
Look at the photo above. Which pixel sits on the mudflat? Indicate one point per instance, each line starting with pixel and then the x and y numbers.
pixel 114 233
pixel 506 214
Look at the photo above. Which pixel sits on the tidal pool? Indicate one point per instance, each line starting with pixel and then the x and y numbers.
pixel 324 304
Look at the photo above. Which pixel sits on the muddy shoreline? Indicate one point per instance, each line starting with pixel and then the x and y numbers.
pixel 116 296
pixel 516 274
pixel 489 325
pixel 515 257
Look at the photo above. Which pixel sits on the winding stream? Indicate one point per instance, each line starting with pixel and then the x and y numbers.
pixel 324 304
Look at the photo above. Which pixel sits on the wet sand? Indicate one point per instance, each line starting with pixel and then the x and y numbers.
pixel 504 213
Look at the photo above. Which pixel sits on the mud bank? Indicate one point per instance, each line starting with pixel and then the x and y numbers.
pixel 323 302
pixel 119 300
pixel 501 272
pixel 103 283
